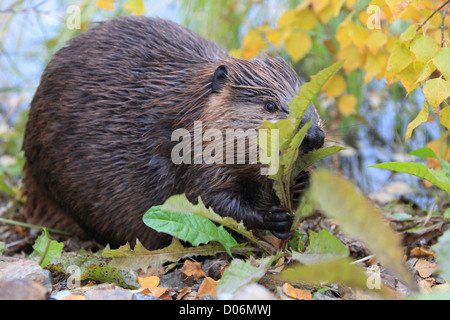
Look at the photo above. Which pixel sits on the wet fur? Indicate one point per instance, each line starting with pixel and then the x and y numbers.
pixel 98 140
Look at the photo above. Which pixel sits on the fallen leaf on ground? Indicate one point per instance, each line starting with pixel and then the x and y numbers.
pixel 421 252
pixel 151 281
pixel 154 291
pixel 296 293
pixel 208 287
pixel 425 284
pixel 74 297
pixel 183 292
pixel 193 269
pixel 425 267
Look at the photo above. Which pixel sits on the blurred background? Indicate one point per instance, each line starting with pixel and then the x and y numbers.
pixel 373 130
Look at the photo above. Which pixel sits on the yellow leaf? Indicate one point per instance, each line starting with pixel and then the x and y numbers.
pixel 444 115
pixel 105 4
pixel 319 5
pixel 359 36
pixel 426 72
pixel 326 14
pixel 342 35
pixel 442 61
pixel 298 45
pixel 236 53
pixel 299 294
pixel 287 18
pixel 410 75
pixel 397 6
pixel 347 104
pixel 335 86
pixel 350 3
pixel 410 13
pixel 277 37
pixel 435 91
pixel 440 147
pixel 135 6
pixel 305 4
pixel 375 41
pixel 353 58
pixel 337 5
pixel 253 43
pixel 400 58
pixel 421 118
pixel 424 48
pixel 306 20
pixel 375 65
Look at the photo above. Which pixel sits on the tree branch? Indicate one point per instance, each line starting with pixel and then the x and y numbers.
pixel 443 25
pixel 435 11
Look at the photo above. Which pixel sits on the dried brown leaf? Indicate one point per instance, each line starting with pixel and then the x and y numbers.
pixel 425 267
pixel 208 287
pixel 296 293
pixel 193 269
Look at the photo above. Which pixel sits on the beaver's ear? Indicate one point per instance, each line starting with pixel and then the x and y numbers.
pixel 219 78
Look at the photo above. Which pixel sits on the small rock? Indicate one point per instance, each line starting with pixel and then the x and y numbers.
pixel 15 268
pixel 22 289
pixel 108 291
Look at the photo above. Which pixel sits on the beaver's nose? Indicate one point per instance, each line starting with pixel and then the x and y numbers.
pixel 314 139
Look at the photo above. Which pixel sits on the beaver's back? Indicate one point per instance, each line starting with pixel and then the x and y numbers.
pixel 96 139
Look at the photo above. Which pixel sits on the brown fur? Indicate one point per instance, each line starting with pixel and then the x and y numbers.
pixel 98 140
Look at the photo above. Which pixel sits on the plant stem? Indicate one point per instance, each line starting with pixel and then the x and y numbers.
pixel 32 226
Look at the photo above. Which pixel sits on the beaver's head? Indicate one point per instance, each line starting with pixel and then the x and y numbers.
pixel 245 92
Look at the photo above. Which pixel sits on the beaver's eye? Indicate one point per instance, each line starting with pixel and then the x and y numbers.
pixel 270 106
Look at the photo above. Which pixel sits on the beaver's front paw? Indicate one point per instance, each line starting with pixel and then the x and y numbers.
pixel 300 185
pixel 279 222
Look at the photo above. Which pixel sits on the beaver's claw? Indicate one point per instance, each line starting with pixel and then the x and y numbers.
pixel 279 222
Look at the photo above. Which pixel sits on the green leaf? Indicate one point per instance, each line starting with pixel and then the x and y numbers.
pixel 424 48
pixel 47 248
pixel 309 90
pixel 179 203
pixel 429 153
pixel 139 257
pixel 442 249
pixel 333 271
pixel 312 157
pixel 188 227
pixel 409 34
pixel 90 266
pixel 358 218
pixel 420 118
pixel 322 246
pixel 241 273
pixel 441 61
pixel 399 59
pixel 438 178
pixel 284 176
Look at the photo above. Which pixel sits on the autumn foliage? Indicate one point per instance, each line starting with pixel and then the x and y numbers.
pixel 402 41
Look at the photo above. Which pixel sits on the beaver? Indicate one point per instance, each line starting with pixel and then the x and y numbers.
pixel 98 139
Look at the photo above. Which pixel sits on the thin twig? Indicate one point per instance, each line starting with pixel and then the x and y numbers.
pixel 443 25
pixel 435 11
pixel 430 212
pixel 32 226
